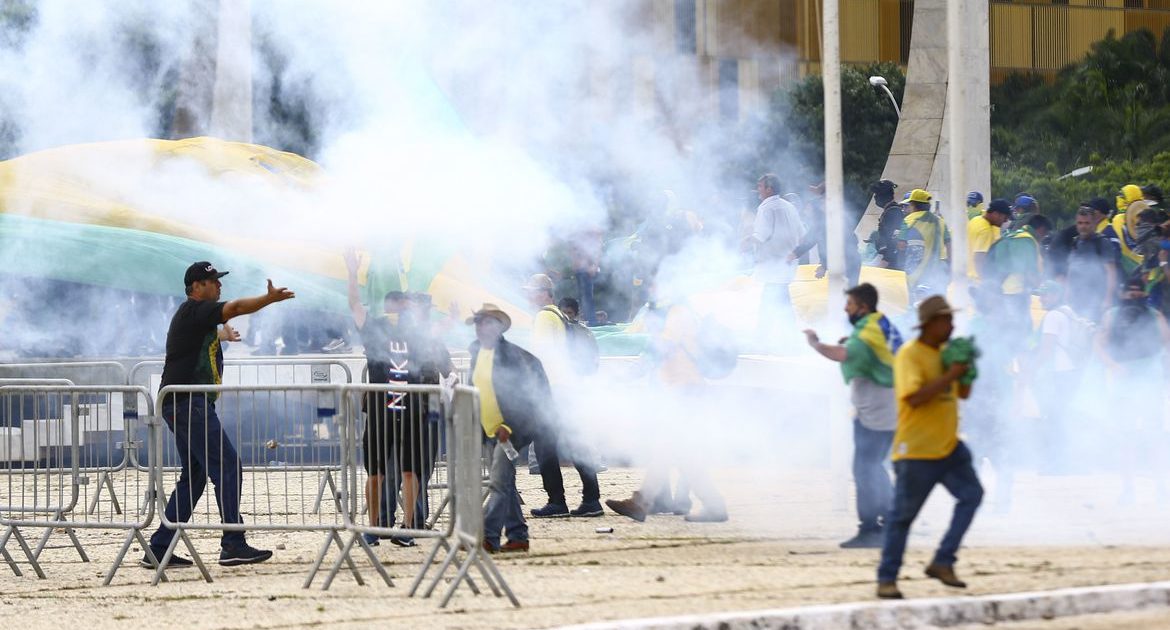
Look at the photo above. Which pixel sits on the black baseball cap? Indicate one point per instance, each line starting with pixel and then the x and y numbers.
pixel 884 185
pixel 1001 206
pixel 201 270
pixel 1100 205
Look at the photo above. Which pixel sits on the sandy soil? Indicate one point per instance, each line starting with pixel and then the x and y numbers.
pixel 779 550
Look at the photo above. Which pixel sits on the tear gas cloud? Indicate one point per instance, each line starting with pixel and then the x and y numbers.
pixel 488 131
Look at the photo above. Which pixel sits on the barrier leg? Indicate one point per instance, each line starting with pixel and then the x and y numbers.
pixel 32 560
pixel 460 575
pixel 426 565
pixel 68 531
pixel 451 552
pixel 320 559
pixel 104 481
pixel 7 556
pixel 121 556
pixel 486 560
pixel 344 557
pixel 434 518
pixel 136 534
pixel 327 483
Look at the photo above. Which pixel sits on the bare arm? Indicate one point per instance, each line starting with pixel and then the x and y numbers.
pixel 927 392
pixel 832 353
pixel 247 306
pixel 352 262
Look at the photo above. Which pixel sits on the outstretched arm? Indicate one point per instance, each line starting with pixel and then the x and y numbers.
pixel 247 306
pixel 833 353
pixel 352 262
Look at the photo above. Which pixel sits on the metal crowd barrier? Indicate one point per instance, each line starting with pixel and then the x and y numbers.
pixel 467 531
pixel 66 435
pixel 402 432
pixel 277 489
pixel 78 372
pixel 392 461
pixel 300 445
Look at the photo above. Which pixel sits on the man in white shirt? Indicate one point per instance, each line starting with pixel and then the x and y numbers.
pixel 777 231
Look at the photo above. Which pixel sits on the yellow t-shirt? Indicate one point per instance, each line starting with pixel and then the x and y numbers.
pixel 490 415
pixel 980 235
pixel 550 344
pixel 930 431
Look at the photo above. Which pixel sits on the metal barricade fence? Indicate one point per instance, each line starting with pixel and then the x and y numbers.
pixel 400 492
pixel 68 434
pixel 300 442
pixel 77 372
pixel 215 429
pixel 467 532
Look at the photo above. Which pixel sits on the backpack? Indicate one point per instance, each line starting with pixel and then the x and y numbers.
pixel 584 354
pixel 1134 333
pixel 1082 332
pixel 718 351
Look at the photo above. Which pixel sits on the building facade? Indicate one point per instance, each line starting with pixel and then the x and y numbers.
pixel 747 49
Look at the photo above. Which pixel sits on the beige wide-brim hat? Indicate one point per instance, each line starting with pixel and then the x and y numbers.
pixel 933 307
pixel 538 282
pixel 491 310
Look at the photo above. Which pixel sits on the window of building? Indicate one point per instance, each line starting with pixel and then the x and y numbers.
pixel 729 89
pixel 685 34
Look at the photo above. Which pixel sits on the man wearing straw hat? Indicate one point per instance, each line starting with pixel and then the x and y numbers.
pixel 515 406
pixel 927 450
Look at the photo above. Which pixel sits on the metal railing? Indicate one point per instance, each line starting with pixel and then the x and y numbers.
pixel 68 434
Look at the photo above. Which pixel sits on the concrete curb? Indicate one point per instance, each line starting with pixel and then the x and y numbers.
pixel 942 612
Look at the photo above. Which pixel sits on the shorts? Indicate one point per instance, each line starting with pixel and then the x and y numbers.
pixel 405 436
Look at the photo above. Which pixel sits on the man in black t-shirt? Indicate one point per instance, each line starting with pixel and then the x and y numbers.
pixel 194 357
pixel 400 428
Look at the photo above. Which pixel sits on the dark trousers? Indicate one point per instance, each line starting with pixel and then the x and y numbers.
pixel 548 456
pixel 204 451
pixel 874 491
pixel 915 479
pixel 585 290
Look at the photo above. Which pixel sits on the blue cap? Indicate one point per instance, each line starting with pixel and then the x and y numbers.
pixel 1024 201
pixel 974 197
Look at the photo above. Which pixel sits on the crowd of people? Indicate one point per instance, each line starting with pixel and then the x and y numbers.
pixel 1101 282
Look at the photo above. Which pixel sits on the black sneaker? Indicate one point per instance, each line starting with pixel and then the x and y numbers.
pixel 864 540
pixel 589 509
pixel 402 541
pixel 177 561
pixel 551 510
pixel 242 554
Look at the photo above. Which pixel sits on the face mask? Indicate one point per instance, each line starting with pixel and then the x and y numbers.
pixel 855 317
pixel 1134 302
pixel 393 317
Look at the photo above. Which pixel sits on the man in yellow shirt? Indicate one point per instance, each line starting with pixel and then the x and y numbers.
pixel 550 343
pixel 515 406
pixel 927 450
pixel 982 232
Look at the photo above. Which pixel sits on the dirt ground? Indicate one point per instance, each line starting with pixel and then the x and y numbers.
pixel 778 550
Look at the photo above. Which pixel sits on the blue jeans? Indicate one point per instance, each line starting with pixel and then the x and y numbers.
pixel 204 451
pixel 874 492
pixel 915 479
pixel 503 511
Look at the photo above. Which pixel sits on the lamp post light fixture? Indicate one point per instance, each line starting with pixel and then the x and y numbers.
pixel 879 83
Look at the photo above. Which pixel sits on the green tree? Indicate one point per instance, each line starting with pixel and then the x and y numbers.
pixel 792 142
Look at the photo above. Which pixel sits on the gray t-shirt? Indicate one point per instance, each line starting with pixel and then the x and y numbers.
pixel 876 408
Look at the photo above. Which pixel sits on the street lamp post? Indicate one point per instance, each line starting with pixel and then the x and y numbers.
pixel 879 83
